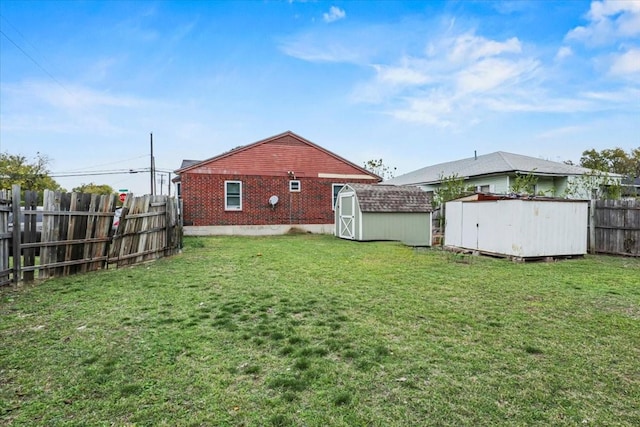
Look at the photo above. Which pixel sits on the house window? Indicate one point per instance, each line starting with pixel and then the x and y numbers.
pixel 294 185
pixel 179 189
pixel 233 195
pixel 336 189
pixel 485 189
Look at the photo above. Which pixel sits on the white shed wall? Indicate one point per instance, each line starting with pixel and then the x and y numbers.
pixel 518 227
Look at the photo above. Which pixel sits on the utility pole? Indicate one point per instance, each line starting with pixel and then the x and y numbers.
pixel 152 168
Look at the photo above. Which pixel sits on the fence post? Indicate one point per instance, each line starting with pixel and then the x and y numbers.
pixel 592 226
pixel 17 254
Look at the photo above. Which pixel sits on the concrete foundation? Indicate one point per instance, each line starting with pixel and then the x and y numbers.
pixel 255 230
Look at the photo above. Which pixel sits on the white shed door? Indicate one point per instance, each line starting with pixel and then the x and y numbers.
pixel 347 207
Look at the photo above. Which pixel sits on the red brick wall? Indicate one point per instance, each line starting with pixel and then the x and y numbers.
pixel 277 156
pixel 203 200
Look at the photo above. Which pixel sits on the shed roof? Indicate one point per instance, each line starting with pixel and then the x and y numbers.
pixel 391 198
pixel 487 164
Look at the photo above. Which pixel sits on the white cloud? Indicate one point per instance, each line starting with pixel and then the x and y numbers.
pixel 455 77
pixel 490 74
pixel 564 52
pixel 335 14
pixel 609 20
pixel 391 80
pixel 402 75
pixel 627 96
pixel 542 104
pixel 70 108
pixel 433 109
pixel 469 47
pixel 329 44
pixel 309 51
pixel 627 63
pixel 455 80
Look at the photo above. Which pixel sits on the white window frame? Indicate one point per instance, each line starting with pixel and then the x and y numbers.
pixel 292 186
pixel 490 189
pixel 334 195
pixel 228 207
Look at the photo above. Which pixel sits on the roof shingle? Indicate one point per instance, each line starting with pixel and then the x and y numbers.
pixel 391 198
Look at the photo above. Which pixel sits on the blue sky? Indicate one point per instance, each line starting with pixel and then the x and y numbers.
pixel 414 83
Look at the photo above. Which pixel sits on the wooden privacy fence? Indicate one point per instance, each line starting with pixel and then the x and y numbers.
pixel 149 229
pixel 614 227
pixel 76 233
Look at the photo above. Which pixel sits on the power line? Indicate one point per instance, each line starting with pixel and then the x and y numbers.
pixel 106 164
pixel 108 172
pixel 35 62
pixel 24 38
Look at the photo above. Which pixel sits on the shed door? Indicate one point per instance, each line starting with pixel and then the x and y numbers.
pixel 347 206
pixel 470 224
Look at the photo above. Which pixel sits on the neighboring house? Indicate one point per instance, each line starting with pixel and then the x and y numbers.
pixel 384 212
pixel 266 188
pixel 497 173
pixel 630 188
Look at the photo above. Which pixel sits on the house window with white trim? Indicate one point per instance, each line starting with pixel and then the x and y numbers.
pixel 335 188
pixel 484 188
pixel 294 186
pixel 233 195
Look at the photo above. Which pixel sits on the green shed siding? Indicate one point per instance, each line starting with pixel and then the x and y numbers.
pixel 413 229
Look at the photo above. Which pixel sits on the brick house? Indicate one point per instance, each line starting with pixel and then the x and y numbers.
pixel 265 188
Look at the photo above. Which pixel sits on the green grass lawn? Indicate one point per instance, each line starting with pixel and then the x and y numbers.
pixel 313 330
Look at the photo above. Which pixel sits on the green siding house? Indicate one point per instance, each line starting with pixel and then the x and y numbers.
pixel 497 172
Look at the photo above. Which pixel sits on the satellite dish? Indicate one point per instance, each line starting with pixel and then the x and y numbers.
pixel 273 200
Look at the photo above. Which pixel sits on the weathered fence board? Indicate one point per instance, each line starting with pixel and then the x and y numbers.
pixel 616 225
pixel 76 230
pixel 149 229
pixel 5 238
pixel 76 234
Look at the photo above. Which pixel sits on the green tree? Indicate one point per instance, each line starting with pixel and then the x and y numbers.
pixel 93 188
pixel 451 187
pixel 378 167
pixel 524 184
pixel 28 174
pixel 597 184
pixel 612 160
pixel 635 161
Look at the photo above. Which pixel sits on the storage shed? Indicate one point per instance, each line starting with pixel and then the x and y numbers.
pixel 518 227
pixel 383 212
